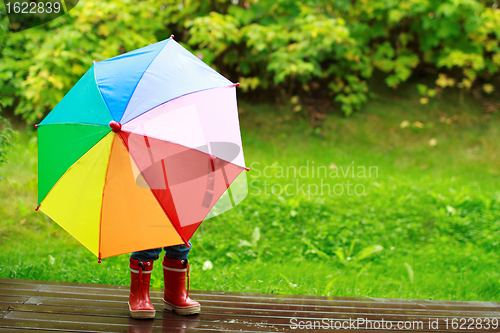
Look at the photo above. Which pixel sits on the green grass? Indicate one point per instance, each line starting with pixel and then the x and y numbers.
pixel 426 224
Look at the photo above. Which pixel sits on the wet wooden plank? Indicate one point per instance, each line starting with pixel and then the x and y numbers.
pixel 16 330
pixel 158 296
pixel 206 305
pixel 450 305
pixel 485 306
pixel 83 322
pixel 7 306
pixel 20 286
pixel 194 292
pixel 13 299
pixel 123 290
pixel 90 324
pixel 260 309
pixel 27 306
pixel 143 327
pixel 108 295
pixel 266 308
pixel 59 283
pixel 455 308
pixel 47 325
pixel 217 317
pixel 97 310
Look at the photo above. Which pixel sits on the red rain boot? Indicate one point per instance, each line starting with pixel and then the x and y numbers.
pixel 175 297
pixel 139 304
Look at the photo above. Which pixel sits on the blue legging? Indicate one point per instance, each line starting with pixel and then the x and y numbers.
pixel 173 252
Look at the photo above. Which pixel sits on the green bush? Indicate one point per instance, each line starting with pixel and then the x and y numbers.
pixel 309 49
pixel 285 46
pixel 293 46
pixel 6 136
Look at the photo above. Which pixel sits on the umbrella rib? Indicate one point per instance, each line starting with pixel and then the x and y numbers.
pixel 166 184
pixel 227 186
pixel 189 93
pixel 209 193
pixel 100 93
pixel 135 88
pixel 180 144
pixel 153 192
pixel 102 199
pixel 151 154
pixel 46 125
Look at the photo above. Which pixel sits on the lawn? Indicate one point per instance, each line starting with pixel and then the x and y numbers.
pixel 400 200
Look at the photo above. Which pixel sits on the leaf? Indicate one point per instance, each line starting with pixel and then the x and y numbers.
pixel 369 251
pixel 233 256
pixel 351 248
pixel 446 9
pixel 404 124
pixel 244 243
pixel 396 15
pixel 442 80
pixel 255 236
pixel 314 250
pixel 488 88
pixel 410 272
pixel 418 124
pixel 422 89
pixel 290 283
pixel 392 81
pixel 340 254
pixel 249 83
pixel 329 286
pixel 207 265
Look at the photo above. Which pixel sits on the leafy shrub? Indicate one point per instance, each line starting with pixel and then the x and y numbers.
pixel 6 134
pixel 300 47
pixel 308 49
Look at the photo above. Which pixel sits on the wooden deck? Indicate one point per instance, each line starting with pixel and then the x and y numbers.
pixel 35 306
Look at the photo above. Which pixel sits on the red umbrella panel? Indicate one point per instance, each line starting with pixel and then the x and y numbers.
pixel 188 152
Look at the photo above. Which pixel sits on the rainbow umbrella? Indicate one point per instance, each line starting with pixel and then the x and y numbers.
pixel 140 150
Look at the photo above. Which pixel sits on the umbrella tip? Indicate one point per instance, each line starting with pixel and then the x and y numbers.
pixel 115 126
pixel 237 84
pixel 172 36
pixel 93 61
pixel 247 169
pixel 36 125
pixel 36 208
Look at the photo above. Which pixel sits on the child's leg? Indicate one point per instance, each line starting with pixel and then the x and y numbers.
pixel 147 255
pixel 175 267
pixel 141 266
pixel 179 252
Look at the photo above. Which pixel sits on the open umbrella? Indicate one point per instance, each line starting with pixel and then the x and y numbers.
pixel 140 150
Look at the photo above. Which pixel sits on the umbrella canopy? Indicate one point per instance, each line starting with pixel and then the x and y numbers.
pixel 139 151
